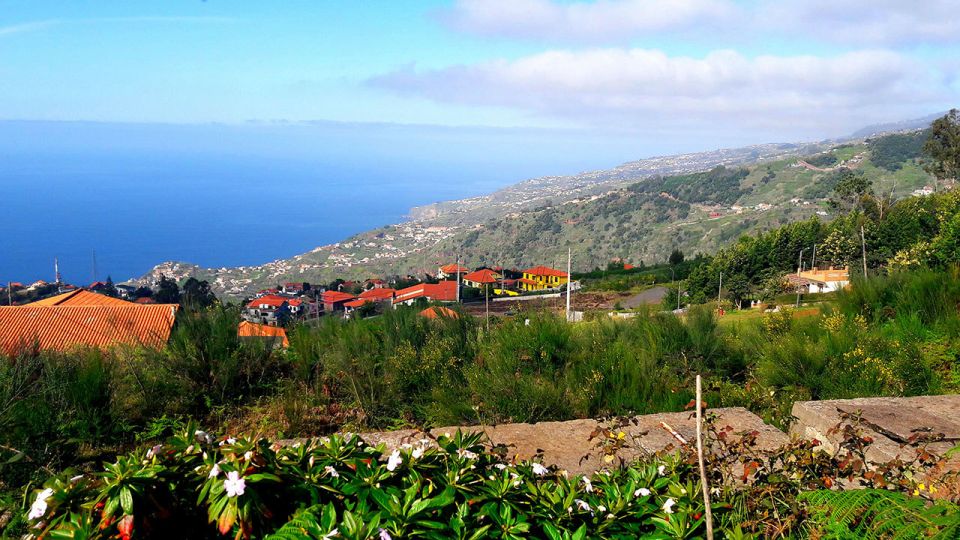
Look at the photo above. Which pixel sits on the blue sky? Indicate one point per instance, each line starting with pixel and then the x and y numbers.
pixel 698 70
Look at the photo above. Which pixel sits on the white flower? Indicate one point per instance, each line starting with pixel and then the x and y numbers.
pixel 539 469
pixel 668 506
pixel 641 492
pixel 601 508
pixel 203 436
pixel 39 506
pixel 500 466
pixel 394 461
pixel 310 461
pixel 234 484
pixel 331 471
pixel 587 485
pixel 581 504
pixel 384 535
pixel 331 534
pixel 215 471
pixel 715 491
pixel 248 455
pixel 154 451
pixel 661 470
pixel 466 454
pixel 417 452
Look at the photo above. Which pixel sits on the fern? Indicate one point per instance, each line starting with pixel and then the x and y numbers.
pixel 871 513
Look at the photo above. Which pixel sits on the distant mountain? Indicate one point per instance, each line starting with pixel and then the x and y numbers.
pixel 893 127
pixel 639 211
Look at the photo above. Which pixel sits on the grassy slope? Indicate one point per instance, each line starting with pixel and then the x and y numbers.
pixel 636 224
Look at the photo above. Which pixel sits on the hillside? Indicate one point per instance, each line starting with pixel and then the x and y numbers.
pixel 639 219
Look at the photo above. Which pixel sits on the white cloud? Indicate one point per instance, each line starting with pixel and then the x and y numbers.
pixel 876 22
pixel 27 27
pixel 887 22
pixel 632 87
pixel 35 26
pixel 600 21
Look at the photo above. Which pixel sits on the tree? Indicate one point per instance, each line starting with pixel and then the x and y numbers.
pixel 168 292
pixel 676 257
pixel 943 146
pixel 142 292
pixel 109 288
pixel 850 188
pixel 197 294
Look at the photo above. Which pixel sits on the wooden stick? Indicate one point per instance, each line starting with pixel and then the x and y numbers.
pixel 703 469
pixel 673 432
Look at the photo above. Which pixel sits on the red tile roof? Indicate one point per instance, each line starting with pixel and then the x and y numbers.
pixel 445 291
pixel 378 294
pixel 545 271
pixel 144 300
pixel 529 281
pixel 80 297
pixel 295 302
pixel 249 329
pixel 436 312
pixel 64 327
pixel 452 269
pixel 270 300
pixel 331 297
pixel 357 303
pixel 482 276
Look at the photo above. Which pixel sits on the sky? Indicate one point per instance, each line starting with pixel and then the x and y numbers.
pixel 701 73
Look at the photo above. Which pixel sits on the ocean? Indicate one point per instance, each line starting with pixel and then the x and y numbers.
pixel 116 199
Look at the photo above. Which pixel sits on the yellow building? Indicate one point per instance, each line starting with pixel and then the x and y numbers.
pixel 539 278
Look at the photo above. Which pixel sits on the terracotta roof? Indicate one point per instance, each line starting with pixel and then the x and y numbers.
pixel 357 303
pixel 482 276
pixel 294 302
pixel 445 291
pixel 436 312
pixel 545 271
pixel 144 300
pixel 271 300
pixel 249 329
pixel 452 269
pixel 80 297
pixel 331 297
pixel 64 327
pixel 378 294
pixel 529 281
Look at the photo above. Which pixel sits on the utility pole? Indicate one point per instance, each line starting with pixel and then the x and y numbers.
pixel 458 278
pixel 719 290
pixel 678 296
pixel 9 293
pixel 486 290
pixel 799 269
pixel 863 246
pixel 56 272
pixel 569 279
pixel 813 262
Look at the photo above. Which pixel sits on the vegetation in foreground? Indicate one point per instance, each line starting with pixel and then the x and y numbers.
pixel 196 486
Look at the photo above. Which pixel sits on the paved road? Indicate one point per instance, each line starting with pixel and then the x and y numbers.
pixel 653 295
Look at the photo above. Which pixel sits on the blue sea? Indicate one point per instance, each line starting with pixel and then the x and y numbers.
pixel 132 195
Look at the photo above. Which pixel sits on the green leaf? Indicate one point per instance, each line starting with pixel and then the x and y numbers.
pixel 126 500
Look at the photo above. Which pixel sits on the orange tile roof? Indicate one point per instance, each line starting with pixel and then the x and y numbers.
pixel 452 269
pixel 336 296
pixel 445 291
pixel 482 276
pixel 249 329
pixel 378 294
pixel 545 271
pixel 529 281
pixel 80 297
pixel 271 300
pixel 357 303
pixel 436 312
pixel 64 327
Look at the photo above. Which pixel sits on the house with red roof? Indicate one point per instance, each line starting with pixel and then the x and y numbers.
pixel 481 278
pixel 540 278
pixel 270 309
pixel 295 289
pixel 449 271
pixel 445 291
pixel 372 296
pixel 335 300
